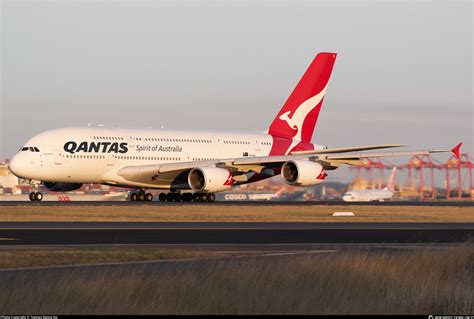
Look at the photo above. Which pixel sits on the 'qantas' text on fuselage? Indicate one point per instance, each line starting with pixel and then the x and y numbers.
pixel 99 147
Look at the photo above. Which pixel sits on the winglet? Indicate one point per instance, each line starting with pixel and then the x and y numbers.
pixel 456 150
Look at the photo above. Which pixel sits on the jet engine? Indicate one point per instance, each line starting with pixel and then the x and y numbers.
pixel 209 179
pixel 61 187
pixel 303 173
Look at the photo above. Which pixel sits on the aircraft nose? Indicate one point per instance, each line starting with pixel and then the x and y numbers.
pixel 16 166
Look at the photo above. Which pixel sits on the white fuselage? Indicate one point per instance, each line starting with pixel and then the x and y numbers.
pixel 95 155
pixel 367 195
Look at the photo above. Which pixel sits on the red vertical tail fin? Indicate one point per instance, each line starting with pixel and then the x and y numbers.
pixel 297 118
pixel 391 181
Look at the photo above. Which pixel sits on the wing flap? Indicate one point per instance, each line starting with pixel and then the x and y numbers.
pixel 380 154
pixel 347 149
pixel 332 161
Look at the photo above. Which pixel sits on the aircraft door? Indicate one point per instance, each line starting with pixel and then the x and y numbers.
pixel 218 142
pixel 256 144
pixel 110 160
pixel 131 141
pixel 58 158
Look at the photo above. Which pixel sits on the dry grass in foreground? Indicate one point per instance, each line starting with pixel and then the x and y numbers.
pixel 20 258
pixel 209 213
pixel 352 282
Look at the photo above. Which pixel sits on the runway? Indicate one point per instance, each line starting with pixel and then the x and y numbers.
pixel 190 233
pixel 241 203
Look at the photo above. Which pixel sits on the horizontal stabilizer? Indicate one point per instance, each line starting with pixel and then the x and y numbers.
pixel 457 151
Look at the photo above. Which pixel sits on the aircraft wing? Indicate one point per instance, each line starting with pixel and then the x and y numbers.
pixel 147 170
pixel 329 158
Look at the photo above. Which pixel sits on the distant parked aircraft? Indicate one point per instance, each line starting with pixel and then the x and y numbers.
pixel 371 195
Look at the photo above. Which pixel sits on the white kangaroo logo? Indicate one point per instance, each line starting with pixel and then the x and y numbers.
pixel 297 119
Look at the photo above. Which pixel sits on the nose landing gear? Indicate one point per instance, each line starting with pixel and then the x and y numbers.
pixel 36 196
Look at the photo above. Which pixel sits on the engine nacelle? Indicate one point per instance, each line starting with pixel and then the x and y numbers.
pixel 303 173
pixel 61 187
pixel 209 179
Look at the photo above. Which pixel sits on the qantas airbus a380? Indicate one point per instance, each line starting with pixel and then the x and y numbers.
pixel 192 166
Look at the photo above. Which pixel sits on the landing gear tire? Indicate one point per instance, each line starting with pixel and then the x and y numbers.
pixel 36 196
pixel 211 197
pixel 162 197
pixel 203 197
pixel 170 197
pixel 139 195
pixel 187 197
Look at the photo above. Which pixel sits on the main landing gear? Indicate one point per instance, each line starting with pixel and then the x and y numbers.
pixel 187 197
pixel 140 196
pixel 36 196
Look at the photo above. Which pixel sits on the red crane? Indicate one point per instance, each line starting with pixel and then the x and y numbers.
pixel 459 163
pixel 421 170
pixel 373 167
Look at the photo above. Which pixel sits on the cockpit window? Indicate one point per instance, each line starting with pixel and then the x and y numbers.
pixel 29 148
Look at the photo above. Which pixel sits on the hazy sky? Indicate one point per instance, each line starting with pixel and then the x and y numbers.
pixel 403 72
